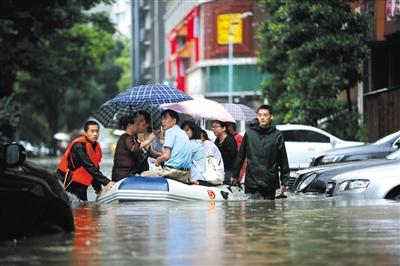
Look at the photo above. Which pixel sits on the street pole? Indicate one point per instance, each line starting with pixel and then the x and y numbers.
pixel 230 63
pixel 230 55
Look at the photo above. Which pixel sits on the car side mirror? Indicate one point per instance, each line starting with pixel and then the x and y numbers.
pixel 14 154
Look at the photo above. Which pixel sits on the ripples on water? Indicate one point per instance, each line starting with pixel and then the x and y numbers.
pixel 304 230
pixel 294 231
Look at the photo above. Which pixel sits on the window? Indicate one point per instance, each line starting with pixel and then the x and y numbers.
pixel 304 136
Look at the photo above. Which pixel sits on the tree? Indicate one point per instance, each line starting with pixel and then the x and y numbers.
pixel 59 61
pixel 124 62
pixel 314 49
pixel 64 91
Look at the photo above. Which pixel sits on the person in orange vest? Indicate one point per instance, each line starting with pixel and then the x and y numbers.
pixel 79 166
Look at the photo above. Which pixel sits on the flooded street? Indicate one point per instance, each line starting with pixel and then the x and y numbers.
pixel 293 231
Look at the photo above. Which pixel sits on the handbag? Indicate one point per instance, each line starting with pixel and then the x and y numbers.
pixel 214 172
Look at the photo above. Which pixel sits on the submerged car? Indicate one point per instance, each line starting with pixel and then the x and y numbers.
pixel 302 142
pixel 33 200
pixel 380 182
pixel 378 149
pixel 315 179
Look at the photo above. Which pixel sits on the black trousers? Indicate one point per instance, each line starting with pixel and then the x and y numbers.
pixel 267 193
pixel 78 189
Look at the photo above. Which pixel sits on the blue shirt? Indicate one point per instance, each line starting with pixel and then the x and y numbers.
pixel 181 150
pixel 198 160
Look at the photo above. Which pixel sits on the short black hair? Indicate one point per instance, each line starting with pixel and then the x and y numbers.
pixel 265 107
pixel 233 125
pixel 195 128
pixel 125 120
pixel 171 113
pixel 90 123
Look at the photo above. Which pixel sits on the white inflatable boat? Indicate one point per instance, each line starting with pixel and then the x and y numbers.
pixel 139 188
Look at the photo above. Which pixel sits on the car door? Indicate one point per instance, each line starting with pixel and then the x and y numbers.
pixel 302 144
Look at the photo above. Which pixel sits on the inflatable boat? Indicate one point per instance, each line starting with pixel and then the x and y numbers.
pixel 140 188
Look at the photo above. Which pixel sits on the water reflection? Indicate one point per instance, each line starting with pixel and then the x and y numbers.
pixel 294 231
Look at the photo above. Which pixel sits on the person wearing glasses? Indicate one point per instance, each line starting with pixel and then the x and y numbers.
pixel 226 144
pixel 267 163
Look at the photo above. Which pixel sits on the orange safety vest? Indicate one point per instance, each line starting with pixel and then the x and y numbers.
pixel 80 175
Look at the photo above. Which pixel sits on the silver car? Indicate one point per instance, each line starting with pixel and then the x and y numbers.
pixel 379 182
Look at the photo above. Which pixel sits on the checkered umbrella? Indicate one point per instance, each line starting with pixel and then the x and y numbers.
pixel 110 113
pixel 143 97
pixel 240 111
pixel 154 94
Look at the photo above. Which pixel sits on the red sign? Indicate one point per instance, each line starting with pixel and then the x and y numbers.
pixel 211 194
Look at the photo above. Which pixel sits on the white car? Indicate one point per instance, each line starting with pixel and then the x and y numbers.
pixel 302 142
pixel 379 182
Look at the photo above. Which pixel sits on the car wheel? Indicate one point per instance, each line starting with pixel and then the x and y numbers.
pixel 394 194
pixel 397 197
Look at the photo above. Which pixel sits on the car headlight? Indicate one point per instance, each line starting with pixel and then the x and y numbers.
pixel 353 184
pixel 331 159
pixel 307 181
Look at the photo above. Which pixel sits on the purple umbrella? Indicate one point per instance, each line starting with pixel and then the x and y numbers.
pixel 240 111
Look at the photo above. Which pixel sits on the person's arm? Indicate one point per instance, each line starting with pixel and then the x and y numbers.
pixel 147 141
pixel 163 157
pixel 81 158
pixel 283 163
pixel 240 157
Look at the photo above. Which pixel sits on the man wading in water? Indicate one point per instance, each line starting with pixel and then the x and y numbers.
pixel 264 147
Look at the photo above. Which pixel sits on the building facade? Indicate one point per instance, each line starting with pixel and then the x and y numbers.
pixel 198 58
pixel 147 40
pixel 382 83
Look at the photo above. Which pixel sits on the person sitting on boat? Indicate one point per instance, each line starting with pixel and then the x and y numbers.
pixel 79 166
pixel 145 129
pixel 176 159
pixel 198 167
pixel 129 157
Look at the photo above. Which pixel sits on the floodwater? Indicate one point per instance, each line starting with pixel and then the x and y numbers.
pixel 293 231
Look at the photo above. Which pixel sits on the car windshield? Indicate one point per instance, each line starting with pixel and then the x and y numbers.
pixel 388 138
pixel 394 155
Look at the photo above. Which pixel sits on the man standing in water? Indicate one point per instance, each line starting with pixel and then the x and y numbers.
pixel 80 163
pixel 264 147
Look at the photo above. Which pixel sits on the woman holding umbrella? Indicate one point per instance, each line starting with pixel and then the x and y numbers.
pixel 129 158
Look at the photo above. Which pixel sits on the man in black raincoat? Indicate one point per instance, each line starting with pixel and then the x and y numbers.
pixel 267 164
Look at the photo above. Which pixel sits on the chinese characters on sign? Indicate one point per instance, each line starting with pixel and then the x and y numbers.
pixel 226 22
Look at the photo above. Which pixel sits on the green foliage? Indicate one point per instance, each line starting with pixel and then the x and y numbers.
pixel 59 60
pixel 314 49
pixel 9 116
pixel 124 62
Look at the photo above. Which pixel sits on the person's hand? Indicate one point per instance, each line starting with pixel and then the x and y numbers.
pixel 151 137
pixel 109 185
pixel 284 188
pixel 157 162
pixel 235 180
